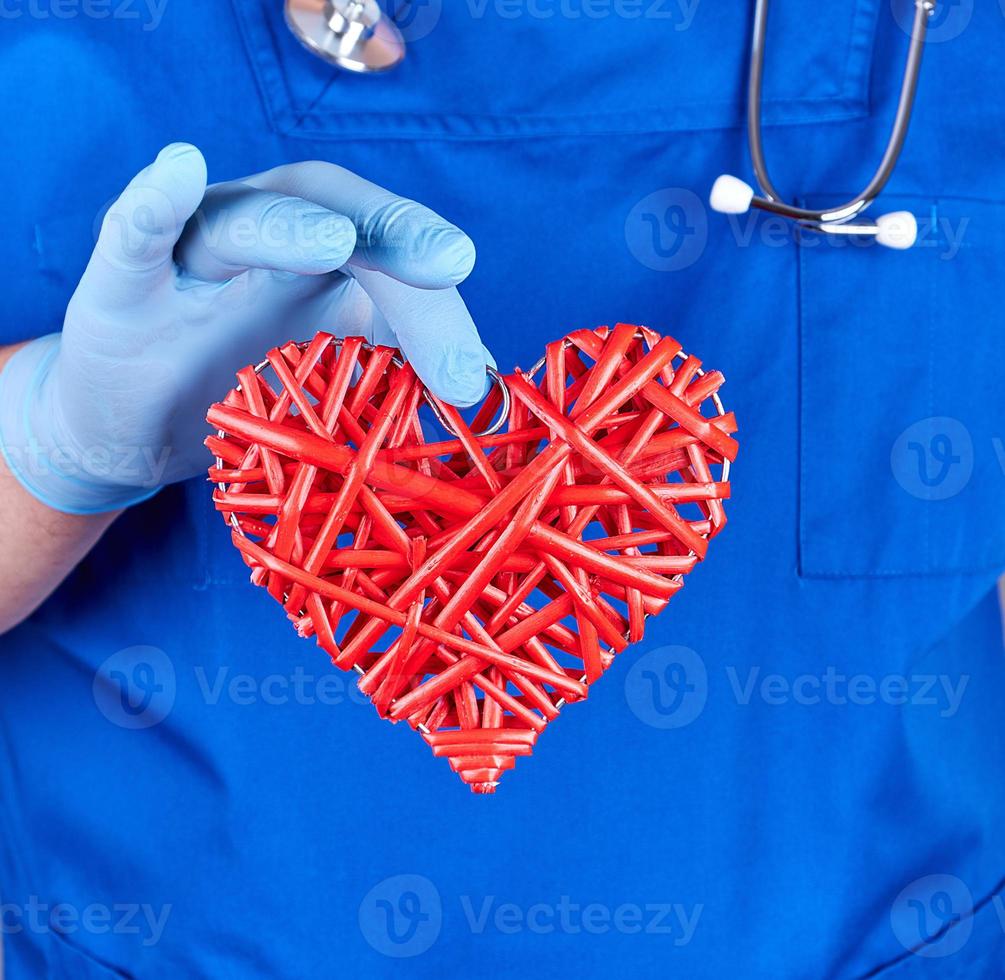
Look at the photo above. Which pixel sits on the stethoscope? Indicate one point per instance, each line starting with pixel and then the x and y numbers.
pixel 355 35
pixel 898 229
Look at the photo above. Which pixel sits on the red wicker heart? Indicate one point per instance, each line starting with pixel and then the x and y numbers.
pixel 478 583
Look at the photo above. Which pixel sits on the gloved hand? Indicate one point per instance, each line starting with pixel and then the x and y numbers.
pixel 186 285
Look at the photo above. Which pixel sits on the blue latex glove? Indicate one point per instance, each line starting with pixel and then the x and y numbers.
pixel 186 285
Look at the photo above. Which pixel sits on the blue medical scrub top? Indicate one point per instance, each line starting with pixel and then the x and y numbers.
pixel 801 771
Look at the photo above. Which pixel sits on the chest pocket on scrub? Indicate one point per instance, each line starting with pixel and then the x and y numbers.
pixel 483 69
pixel 902 463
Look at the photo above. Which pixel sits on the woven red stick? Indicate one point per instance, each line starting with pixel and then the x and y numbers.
pixel 477 583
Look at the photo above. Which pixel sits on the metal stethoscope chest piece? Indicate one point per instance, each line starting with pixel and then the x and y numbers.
pixel 899 229
pixel 353 34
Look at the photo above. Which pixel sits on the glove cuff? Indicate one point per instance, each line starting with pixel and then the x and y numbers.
pixel 47 464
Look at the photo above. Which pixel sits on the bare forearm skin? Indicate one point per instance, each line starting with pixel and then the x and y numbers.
pixel 39 546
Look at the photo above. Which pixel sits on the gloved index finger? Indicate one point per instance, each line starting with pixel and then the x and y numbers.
pixel 238 228
pixel 395 236
pixel 435 332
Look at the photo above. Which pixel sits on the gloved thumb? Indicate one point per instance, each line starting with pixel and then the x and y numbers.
pixel 139 232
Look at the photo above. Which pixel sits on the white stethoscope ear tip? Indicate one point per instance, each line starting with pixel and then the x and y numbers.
pixel 730 195
pixel 898 229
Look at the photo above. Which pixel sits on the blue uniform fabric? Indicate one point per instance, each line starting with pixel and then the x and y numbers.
pixel 753 826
